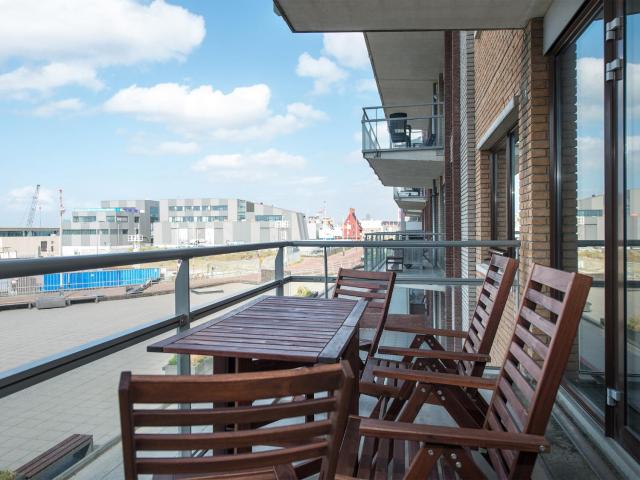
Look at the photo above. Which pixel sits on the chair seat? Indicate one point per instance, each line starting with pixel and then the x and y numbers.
pixel 365 344
pixel 271 473
pixel 378 386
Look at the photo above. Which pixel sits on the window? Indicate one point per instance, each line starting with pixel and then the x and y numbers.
pixel 196 208
pixel 268 218
pixel 84 218
pixel 580 170
pixel 219 208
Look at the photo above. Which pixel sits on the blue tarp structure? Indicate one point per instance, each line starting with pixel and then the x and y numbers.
pixel 99 279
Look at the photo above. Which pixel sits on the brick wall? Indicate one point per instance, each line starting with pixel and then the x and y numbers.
pixel 467 172
pixel 510 63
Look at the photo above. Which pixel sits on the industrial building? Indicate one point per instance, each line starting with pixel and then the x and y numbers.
pixel 215 221
pixel 28 242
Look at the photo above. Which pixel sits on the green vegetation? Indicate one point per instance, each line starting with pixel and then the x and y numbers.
pixel 304 292
pixel 7 475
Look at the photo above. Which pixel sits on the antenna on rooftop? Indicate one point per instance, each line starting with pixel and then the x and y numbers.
pixel 60 231
pixel 34 206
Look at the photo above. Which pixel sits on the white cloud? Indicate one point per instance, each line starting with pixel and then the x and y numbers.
pixel 324 72
pixel 590 88
pixel 349 49
pixel 84 35
pixel 366 85
pixel 19 199
pixel 241 114
pixel 313 180
pixel 249 166
pixel 354 156
pixel 170 148
pixel 67 105
pixel 48 77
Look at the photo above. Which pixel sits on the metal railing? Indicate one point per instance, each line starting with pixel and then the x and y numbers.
pixel 30 374
pixel 429 256
pixel 409 193
pixel 419 126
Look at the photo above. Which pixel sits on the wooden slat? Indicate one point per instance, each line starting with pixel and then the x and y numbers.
pixel 438 435
pixel 531 341
pixel 437 378
pixel 362 284
pixel 518 380
pixel 537 321
pixel 224 463
pixel 362 294
pixel 545 301
pixel 241 438
pixel 250 414
pixel 525 360
pixel 514 402
pixel 237 387
pixel 346 273
pixel 556 279
pixel 439 354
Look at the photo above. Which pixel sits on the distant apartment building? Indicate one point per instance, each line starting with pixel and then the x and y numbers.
pixel 590 216
pixel 22 242
pixel 321 227
pixel 377 226
pixel 217 221
pixel 116 225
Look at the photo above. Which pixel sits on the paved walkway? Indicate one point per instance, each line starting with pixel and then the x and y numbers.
pixel 83 400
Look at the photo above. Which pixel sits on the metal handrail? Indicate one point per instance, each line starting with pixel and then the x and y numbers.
pixel 24 376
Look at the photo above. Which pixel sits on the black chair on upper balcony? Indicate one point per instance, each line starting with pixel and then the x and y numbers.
pixel 399 129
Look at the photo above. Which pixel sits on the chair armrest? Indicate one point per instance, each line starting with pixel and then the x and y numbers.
pixel 437 332
pixel 454 436
pixel 439 354
pixel 436 378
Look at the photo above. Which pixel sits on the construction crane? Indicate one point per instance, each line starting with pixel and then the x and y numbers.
pixel 34 207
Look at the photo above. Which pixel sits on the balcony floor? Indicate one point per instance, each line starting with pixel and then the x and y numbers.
pixel 564 461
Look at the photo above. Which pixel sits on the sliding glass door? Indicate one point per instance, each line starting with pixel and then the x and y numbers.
pixel 632 217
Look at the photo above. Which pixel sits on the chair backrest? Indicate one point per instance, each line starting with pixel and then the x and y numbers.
pixel 545 328
pixel 162 441
pixel 376 288
pixel 398 127
pixel 492 298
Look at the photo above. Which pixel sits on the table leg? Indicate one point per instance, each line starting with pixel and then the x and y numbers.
pixel 221 365
pixel 352 355
pixel 243 365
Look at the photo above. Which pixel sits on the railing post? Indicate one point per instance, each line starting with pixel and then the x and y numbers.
pixel 326 273
pixel 183 307
pixel 279 271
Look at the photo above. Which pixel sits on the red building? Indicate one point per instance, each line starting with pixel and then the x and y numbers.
pixel 351 228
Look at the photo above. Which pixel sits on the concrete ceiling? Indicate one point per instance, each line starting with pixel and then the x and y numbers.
pixel 407 169
pixel 406 65
pixel 393 15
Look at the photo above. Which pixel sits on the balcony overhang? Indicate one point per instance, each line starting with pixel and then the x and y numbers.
pixel 406 65
pixel 406 168
pixel 395 15
pixel 411 204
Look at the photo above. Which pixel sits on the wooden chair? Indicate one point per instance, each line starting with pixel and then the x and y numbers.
pixel 465 405
pixel 523 397
pixel 376 288
pixel 279 446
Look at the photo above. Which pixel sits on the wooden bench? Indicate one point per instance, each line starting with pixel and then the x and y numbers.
pixel 57 459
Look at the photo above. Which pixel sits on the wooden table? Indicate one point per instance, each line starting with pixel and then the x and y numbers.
pixel 294 330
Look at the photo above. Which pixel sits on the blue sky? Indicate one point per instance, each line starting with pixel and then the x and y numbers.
pixel 125 99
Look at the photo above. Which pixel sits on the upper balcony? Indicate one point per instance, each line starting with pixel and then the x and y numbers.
pixel 409 15
pixel 404 143
pixel 410 199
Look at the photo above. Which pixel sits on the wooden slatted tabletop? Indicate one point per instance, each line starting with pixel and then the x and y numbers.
pixel 288 329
